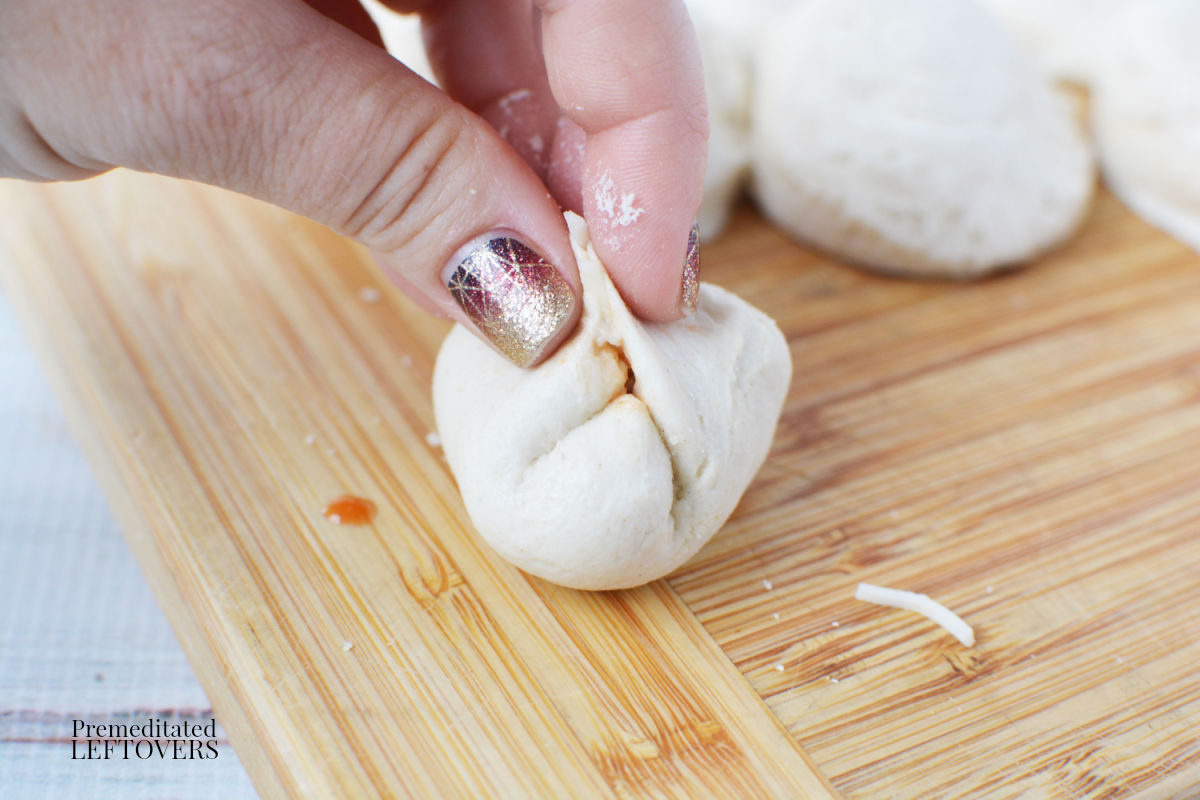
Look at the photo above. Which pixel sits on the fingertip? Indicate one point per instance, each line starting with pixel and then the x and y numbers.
pixel 512 294
pixel 656 283
pixel 641 214
pixel 504 268
pixel 628 75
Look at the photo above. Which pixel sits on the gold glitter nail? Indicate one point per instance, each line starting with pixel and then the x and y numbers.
pixel 691 273
pixel 514 296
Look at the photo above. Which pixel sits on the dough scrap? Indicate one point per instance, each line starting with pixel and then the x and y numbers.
pixel 616 459
pixel 916 137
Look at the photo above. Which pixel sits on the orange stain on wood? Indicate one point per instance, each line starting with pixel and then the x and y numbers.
pixel 350 510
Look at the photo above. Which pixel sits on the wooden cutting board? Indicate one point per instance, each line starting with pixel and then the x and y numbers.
pixel 1025 449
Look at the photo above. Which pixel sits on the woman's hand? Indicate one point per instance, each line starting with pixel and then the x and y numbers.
pixel 597 105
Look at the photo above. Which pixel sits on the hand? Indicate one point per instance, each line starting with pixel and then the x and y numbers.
pixel 301 107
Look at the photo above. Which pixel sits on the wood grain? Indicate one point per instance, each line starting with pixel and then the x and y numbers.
pixel 227 379
pixel 1024 449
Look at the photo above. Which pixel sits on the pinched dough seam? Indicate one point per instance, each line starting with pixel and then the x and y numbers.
pixel 625 390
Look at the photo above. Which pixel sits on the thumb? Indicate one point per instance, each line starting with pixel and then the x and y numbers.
pixel 274 100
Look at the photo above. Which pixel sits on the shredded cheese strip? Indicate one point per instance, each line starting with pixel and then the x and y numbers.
pixel 920 603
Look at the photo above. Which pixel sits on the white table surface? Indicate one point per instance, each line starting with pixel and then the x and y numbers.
pixel 81 636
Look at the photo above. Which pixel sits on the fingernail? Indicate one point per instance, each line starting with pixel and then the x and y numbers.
pixel 514 296
pixel 691 273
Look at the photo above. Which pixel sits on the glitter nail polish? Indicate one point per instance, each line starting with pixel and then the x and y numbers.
pixel 691 272
pixel 514 296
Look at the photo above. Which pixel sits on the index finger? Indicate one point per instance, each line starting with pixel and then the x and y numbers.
pixel 628 73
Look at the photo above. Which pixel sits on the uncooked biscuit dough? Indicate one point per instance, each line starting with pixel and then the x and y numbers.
pixel 727 91
pixel 915 137
pixel 401 34
pixel 1071 38
pixel 617 458
pixel 729 35
pixel 1146 115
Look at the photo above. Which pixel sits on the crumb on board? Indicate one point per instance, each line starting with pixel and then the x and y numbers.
pixel 921 604
pixel 347 646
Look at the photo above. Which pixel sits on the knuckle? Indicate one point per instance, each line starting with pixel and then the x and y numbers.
pixel 418 184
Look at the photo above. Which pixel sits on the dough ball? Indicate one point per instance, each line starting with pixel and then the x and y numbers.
pixel 1071 38
pixel 915 137
pixel 741 24
pixel 617 458
pixel 729 35
pixel 727 90
pixel 1146 115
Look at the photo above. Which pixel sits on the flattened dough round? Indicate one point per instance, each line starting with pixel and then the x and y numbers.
pixel 1146 115
pixel 1071 38
pixel 730 34
pixel 914 137
pixel 573 478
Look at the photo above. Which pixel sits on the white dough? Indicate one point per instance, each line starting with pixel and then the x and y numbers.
pixel 401 34
pixel 1146 115
pixel 916 137
pixel 727 91
pixel 729 34
pixel 575 480
pixel 1071 38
